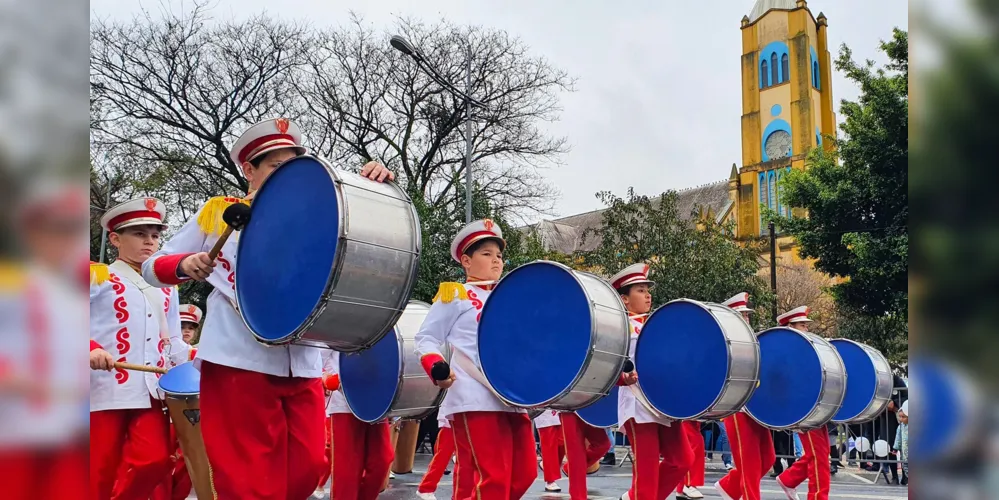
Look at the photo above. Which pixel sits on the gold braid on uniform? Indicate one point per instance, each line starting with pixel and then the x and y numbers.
pixel 99 273
pixel 210 218
pixel 449 291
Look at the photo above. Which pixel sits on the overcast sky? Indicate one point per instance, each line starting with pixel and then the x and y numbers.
pixel 658 101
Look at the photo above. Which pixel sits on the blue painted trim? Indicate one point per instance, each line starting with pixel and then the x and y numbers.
pixel 814 68
pixel 761 184
pixel 772 189
pixel 818 137
pixel 764 75
pixel 775 110
pixel 778 48
pixel 774 126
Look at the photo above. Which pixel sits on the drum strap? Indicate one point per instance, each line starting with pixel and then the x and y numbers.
pixel 473 370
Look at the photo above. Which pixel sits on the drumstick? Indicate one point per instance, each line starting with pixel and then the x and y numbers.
pixel 140 368
pixel 235 216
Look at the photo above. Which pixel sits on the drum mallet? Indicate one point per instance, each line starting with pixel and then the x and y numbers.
pixel 440 371
pixel 140 368
pixel 628 367
pixel 235 216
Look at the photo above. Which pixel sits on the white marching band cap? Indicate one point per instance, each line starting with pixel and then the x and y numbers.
pixel 739 302
pixel 191 312
pixel 137 212
pixel 796 315
pixel 632 275
pixel 473 232
pixel 266 136
pixel 53 198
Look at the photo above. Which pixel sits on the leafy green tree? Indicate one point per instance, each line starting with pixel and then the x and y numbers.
pixel 689 257
pixel 856 197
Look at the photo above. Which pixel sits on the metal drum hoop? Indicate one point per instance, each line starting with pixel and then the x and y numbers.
pixel 343 229
pixel 555 403
pixel 883 385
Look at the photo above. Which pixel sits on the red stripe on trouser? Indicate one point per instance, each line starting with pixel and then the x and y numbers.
pixel 579 456
pixel 753 453
pixel 263 434
pixel 129 452
pixel 552 452
pixel 653 479
pixel 328 454
pixel 813 465
pixel 443 451
pixel 499 447
pixel 362 456
pixel 694 476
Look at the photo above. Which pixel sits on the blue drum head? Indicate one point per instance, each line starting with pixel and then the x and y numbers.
pixel 790 379
pixel 286 251
pixel 944 420
pixel 602 413
pixel 861 380
pixel 370 379
pixel 181 380
pixel 681 358
pixel 534 333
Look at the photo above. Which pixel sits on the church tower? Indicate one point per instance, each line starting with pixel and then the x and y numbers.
pixel 787 105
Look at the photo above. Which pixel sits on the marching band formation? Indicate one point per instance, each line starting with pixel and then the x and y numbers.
pixel 296 378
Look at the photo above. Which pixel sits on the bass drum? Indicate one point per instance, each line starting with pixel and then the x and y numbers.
pixel 387 380
pixel 603 413
pixel 328 258
pixel 182 387
pixel 551 337
pixel 696 361
pixel 868 382
pixel 802 381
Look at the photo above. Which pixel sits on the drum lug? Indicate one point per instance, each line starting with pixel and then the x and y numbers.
pixel 193 415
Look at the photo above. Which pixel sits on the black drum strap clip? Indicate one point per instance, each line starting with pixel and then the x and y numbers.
pixel 193 416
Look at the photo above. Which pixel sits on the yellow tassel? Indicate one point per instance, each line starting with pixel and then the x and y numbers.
pixel 449 291
pixel 11 277
pixel 99 273
pixel 210 218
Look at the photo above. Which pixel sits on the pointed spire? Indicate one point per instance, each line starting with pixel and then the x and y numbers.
pixel 735 173
pixel 745 21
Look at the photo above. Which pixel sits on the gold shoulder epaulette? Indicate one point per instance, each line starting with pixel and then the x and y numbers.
pixel 12 277
pixel 210 218
pixel 450 291
pixel 99 273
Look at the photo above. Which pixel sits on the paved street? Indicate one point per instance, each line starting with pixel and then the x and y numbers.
pixel 610 482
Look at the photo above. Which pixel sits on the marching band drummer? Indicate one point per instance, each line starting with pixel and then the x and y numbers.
pixel 580 456
pixel 493 440
pixel 752 444
pixel 130 321
pixel 443 452
pixel 814 462
pixel 362 452
pixel 549 425
pixel 651 436
pixel 261 406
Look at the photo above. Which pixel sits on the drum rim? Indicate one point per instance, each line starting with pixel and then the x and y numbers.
pixel 810 337
pixel 728 369
pixel 874 407
pixel 178 394
pixel 589 353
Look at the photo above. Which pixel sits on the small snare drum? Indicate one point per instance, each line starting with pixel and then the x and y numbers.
pixel 182 387
pixel 868 382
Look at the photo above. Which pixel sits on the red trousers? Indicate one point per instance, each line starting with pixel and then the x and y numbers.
pixel 443 451
pixel 695 476
pixel 653 479
pixel 813 465
pixel 44 474
pixel 579 456
pixel 328 457
pixel 753 452
pixel 177 484
pixel 499 447
pixel 362 456
pixel 552 452
pixel 263 434
pixel 129 452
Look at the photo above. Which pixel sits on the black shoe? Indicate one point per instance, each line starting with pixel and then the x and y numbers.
pixel 609 459
pixel 833 470
pixel 447 472
pixel 905 480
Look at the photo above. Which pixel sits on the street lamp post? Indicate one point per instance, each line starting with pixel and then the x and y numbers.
pixel 403 45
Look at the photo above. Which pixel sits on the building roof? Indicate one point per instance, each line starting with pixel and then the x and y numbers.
pixel 762 6
pixel 565 234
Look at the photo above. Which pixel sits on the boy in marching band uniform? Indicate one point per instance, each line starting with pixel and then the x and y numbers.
pixel 130 321
pixel 493 440
pixel 814 463
pixel 752 444
pixel 580 456
pixel 549 425
pixel 362 452
pixel 443 451
pixel 190 320
pixel 261 406
pixel 650 435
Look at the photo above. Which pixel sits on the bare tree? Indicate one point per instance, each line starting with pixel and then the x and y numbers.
pixel 365 100
pixel 799 284
pixel 174 90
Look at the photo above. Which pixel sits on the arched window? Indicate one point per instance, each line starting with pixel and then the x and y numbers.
pixel 774 73
pixel 784 69
pixel 764 198
pixel 815 75
pixel 771 182
pixel 764 75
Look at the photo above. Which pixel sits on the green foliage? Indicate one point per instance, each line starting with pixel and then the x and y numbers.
pixel 696 261
pixel 856 197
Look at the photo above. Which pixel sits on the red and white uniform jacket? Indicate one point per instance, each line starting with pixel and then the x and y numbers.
pixel 443 423
pixel 136 323
pixel 225 340
pixel 628 406
pixel 455 321
pixel 549 418
pixel 335 402
pixel 40 316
